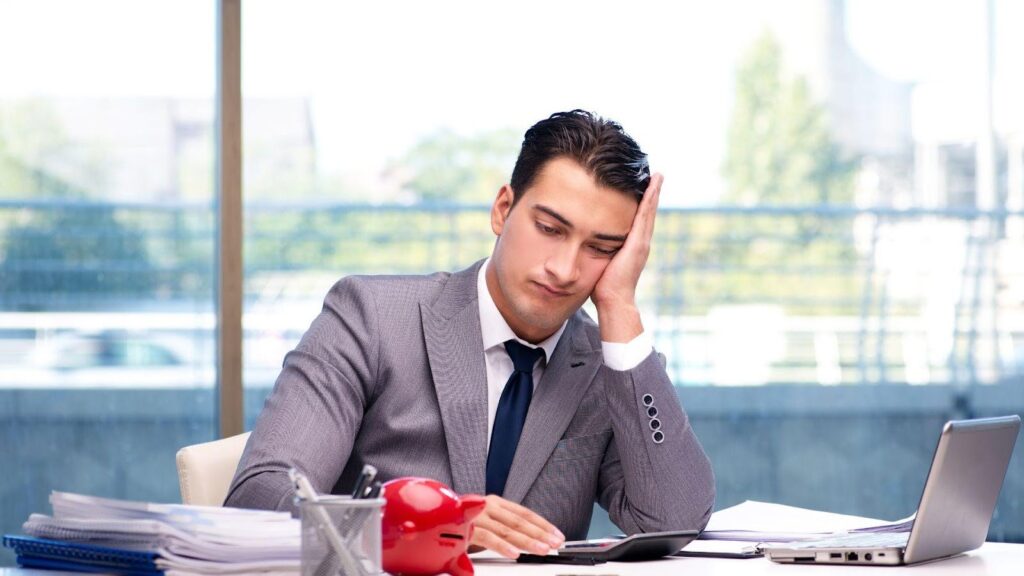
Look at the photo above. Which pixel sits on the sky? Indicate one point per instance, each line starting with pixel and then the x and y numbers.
pixel 382 74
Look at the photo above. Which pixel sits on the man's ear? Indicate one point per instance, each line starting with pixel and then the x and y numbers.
pixel 501 208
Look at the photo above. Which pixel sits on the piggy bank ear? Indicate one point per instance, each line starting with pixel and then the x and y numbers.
pixel 471 505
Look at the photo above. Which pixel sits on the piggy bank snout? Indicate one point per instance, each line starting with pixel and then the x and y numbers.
pixel 472 505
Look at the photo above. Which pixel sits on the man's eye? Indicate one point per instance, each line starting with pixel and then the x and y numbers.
pixel 605 251
pixel 546 229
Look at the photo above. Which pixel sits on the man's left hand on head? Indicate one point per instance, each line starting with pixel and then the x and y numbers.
pixel 614 295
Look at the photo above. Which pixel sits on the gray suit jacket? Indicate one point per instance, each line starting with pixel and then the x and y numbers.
pixel 392 373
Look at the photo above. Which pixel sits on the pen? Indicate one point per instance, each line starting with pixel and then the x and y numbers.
pixel 367 476
pixel 374 491
pixel 355 522
pixel 305 491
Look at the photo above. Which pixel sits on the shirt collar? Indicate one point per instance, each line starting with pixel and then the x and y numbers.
pixel 495 329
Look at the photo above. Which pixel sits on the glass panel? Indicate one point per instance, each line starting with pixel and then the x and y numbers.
pixel 828 282
pixel 106 248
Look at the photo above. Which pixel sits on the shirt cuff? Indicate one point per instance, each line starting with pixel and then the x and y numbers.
pixel 622 357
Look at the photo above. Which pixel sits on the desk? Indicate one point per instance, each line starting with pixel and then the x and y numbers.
pixel 990 560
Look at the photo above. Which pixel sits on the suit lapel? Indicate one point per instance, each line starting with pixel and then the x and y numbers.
pixel 451 330
pixel 565 381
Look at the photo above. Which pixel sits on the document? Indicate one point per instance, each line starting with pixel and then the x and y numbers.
pixel 721 549
pixel 198 539
pixel 754 521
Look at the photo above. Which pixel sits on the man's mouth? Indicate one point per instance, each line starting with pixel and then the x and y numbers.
pixel 551 292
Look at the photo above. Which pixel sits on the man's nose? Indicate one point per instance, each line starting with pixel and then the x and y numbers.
pixel 562 265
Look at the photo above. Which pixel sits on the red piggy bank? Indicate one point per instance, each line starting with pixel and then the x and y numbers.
pixel 426 528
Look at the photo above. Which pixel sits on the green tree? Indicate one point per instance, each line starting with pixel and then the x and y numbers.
pixel 441 167
pixel 779 148
pixel 449 167
pixel 73 255
pixel 66 253
pixel 779 151
pixel 29 131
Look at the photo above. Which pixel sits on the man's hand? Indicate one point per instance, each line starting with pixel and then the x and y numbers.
pixel 507 528
pixel 614 295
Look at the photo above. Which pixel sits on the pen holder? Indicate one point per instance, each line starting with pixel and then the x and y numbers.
pixel 341 536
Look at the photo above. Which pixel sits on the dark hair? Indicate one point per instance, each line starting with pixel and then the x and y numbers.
pixel 600 146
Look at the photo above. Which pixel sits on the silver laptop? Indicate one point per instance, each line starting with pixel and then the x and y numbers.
pixel 956 506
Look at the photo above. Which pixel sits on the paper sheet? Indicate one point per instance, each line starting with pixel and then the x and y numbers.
pixel 197 539
pixel 754 521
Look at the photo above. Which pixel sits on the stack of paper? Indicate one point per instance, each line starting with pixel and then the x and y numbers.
pixel 754 521
pixel 739 529
pixel 197 539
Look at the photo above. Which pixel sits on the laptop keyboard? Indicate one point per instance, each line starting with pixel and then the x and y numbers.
pixel 873 540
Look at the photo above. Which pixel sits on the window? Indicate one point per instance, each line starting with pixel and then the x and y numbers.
pixel 106 247
pixel 826 281
pixel 837 263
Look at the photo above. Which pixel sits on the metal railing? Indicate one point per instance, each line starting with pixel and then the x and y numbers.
pixel 734 295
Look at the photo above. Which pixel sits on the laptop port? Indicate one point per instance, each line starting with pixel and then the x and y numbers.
pixel 868 556
pixel 836 556
pixel 852 557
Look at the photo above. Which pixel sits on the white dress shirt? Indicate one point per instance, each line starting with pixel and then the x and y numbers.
pixel 496 331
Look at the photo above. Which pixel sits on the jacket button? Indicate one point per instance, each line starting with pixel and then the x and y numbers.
pixel 648 400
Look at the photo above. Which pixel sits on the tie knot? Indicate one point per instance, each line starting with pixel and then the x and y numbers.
pixel 523 357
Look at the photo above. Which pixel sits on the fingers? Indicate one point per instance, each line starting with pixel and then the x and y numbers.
pixel 506 528
pixel 655 184
pixel 528 527
pixel 638 241
pixel 644 221
pixel 484 537
pixel 527 514
pixel 517 532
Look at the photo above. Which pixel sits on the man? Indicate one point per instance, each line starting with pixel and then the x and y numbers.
pixel 493 380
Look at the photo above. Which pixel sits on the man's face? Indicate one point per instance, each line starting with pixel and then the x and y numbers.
pixel 553 246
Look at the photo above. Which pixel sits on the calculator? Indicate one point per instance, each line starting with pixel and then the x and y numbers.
pixel 648 546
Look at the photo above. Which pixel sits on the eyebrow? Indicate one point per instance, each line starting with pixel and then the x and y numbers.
pixel 567 224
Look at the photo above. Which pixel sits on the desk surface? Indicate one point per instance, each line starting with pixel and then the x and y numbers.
pixel 989 560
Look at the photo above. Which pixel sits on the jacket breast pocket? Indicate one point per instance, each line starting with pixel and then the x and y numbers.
pixel 580 447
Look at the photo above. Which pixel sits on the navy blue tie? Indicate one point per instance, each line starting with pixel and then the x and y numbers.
pixel 512 408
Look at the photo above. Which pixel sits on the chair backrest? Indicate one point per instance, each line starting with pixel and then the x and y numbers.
pixel 205 470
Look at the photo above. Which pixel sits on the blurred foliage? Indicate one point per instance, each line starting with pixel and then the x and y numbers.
pixel 29 132
pixel 366 239
pixel 779 152
pixel 445 166
pixel 36 158
pixel 779 148
pixel 71 253
pixel 709 259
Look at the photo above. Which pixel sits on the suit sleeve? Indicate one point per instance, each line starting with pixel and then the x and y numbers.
pixel 311 418
pixel 645 485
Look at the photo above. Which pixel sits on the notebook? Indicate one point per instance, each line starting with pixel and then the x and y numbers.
pixel 955 510
pixel 57 555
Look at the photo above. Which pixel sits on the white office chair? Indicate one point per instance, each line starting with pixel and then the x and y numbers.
pixel 205 470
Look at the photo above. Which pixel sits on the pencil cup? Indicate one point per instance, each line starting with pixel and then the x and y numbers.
pixel 341 536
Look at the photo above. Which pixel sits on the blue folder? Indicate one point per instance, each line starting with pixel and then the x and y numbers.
pixel 59 555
